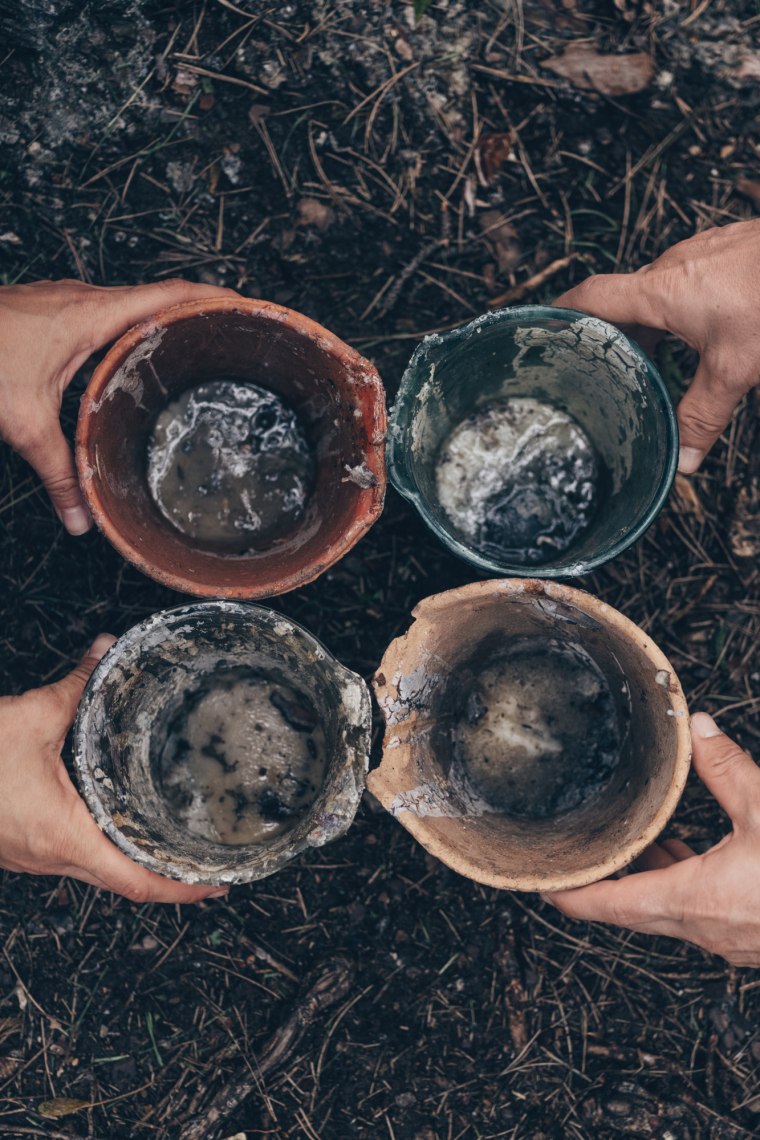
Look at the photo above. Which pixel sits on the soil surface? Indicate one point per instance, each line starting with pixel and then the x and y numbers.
pixel 388 172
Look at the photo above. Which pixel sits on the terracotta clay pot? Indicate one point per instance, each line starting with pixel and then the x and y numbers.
pixel 421 685
pixel 125 715
pixel 337 395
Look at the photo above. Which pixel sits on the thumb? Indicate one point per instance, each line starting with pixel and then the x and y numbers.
pixel 727 770
pixel 703 414
pixel 69 689
pixel 620 298
pixel 51 457
pixel 124 306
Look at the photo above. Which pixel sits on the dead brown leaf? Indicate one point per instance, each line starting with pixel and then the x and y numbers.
pixel 61 1106
pixel 312 212
pixel 750 66
pixel 591 70
pixel 744 535
pixel 501 238
pixel 687 501
pixel 493 152
pixel 751 189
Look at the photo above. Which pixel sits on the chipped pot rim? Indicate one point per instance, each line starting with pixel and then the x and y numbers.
pixel 356 759
pixel 503 590
pixel 401 417
pixel 369 500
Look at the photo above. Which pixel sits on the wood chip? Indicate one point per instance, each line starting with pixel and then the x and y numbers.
pixel 61 1106
pixel 751 189
pixel 591 70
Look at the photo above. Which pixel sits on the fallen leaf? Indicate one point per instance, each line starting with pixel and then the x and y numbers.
pixel 501 237
pixel 184 82
pixel 750 67
pixel 687 500
pixel 493 152
pixel 744 532
pixel 591 70
pixel 312 212
pixel 750 189
pixel 61 1106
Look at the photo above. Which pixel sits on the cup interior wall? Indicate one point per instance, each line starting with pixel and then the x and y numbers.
pixel 135 703
pixel 233 345
pixel 465 644
pixel 573 366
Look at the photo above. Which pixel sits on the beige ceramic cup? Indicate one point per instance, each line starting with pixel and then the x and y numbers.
pixel 454 634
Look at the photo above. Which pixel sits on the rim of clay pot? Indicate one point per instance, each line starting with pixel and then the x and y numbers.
pixel 282 849
pixel 382 781
pixel 404 482
pixel 369 501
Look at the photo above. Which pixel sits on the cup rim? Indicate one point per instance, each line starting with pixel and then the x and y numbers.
pixel 369 501
pixel 91 790
pixel 497 591
pixel 399 473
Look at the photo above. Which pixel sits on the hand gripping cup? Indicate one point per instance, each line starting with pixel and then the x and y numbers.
pixel 533 441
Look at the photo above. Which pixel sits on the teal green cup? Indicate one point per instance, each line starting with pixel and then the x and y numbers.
pixel 582 434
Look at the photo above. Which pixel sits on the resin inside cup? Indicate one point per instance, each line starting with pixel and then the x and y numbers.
pixel 519 480
pixel 229 464
pixel 535 738
pixel 535 730
pixel 533 441
pixel 242 757
pixel 216 741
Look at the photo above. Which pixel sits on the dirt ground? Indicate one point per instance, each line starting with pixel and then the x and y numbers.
pixel 388 172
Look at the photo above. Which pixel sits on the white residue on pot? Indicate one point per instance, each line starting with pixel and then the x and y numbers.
pixel 537 733
pixel 518 480
pixel 228 463
pixel 127 377
pixel 243 760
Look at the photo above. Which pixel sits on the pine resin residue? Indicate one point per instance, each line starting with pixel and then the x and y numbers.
pixel 228 464
pixel 518 479
pixel 242 760
pixel 537 733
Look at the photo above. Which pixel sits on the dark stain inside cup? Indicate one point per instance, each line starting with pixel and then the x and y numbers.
pixel 537 731
pixel 520 480
pixel 229 465
pixel 241 759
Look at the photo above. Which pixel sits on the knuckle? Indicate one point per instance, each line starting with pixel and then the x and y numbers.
pixel 700 419
pixel 134 890
pixel 29 436
pixel 726 758
pixel 49 711
pixel 621 914
pixel 42 849
pixel 173 284
pixel 62 483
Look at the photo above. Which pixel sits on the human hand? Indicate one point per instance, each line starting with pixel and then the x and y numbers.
pixel 706 291
pixel 713 899
pixel 47 331
pixel 45 827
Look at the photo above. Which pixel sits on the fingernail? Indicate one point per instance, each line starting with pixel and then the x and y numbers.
pixel 77 520
pixel 689 459
pixel 703 726
pixel 217 894
pixel 102 642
